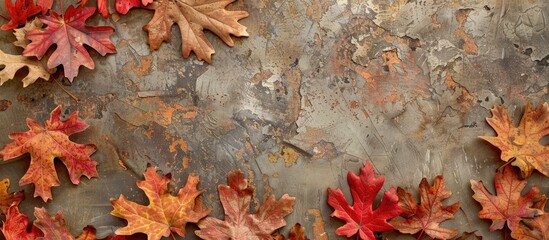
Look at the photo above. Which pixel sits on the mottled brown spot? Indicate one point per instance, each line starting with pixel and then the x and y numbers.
pixel 4 105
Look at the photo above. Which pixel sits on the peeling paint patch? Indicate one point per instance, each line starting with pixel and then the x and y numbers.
pixel 469 45
pixel 318 224
pixel 139 69
pixel 288 154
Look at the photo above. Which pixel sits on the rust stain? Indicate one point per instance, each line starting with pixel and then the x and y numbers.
pixel 141 69
pixel 353 105
pixel 318 225
pixel 183 146
pixel 469 45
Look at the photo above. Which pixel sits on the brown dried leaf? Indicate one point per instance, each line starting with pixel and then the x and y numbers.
pixel 193 17
pixel 21 32
pixel 13 63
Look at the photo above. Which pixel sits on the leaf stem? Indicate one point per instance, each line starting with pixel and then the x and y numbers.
pixel 4 17
pixel 61 6
pixel 420 234
pixel 65 90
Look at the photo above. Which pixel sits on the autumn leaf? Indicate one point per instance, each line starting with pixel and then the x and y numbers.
pixel 193 17
pixel 165 213
pixel 427 216
pixel 469 236
pixel 522 143
pixel 296 233
pixel 8 199
pixel 52 227
pixel 44 227
pixel 45 5
pixel 47 143
pixel 16 224
pixel 20 33
pixel 19 12
pixel 239 223
pixel 124 6
pixel 101 7
pixel 507 206
pixel 534 228
pixel 13 63
pixel 69 33
pixel 360 217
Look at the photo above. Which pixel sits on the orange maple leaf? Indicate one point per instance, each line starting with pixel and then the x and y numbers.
pixel 426 217
pixel 296 233
pixel 507 206
pixel 239 224
pixel 165 213
pixel 522 143
pixel 47 143
pixel 8 199
pixel 193 17
pixel 535 228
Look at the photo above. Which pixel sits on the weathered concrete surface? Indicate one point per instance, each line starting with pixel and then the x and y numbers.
pixel 318 87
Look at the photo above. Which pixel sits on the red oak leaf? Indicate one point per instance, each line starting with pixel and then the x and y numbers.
pixel 9 199
pixel 507 206
pixel 165 213
pixel 45 5
pixel 426 217
pixel 239 224
pixel 360 217
pixel 47 143
pixel 69 33
pixel 16 224
pixel 19 12
pixel 101 7
pixel 123 6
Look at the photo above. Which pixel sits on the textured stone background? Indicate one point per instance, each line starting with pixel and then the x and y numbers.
pixel 317 88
